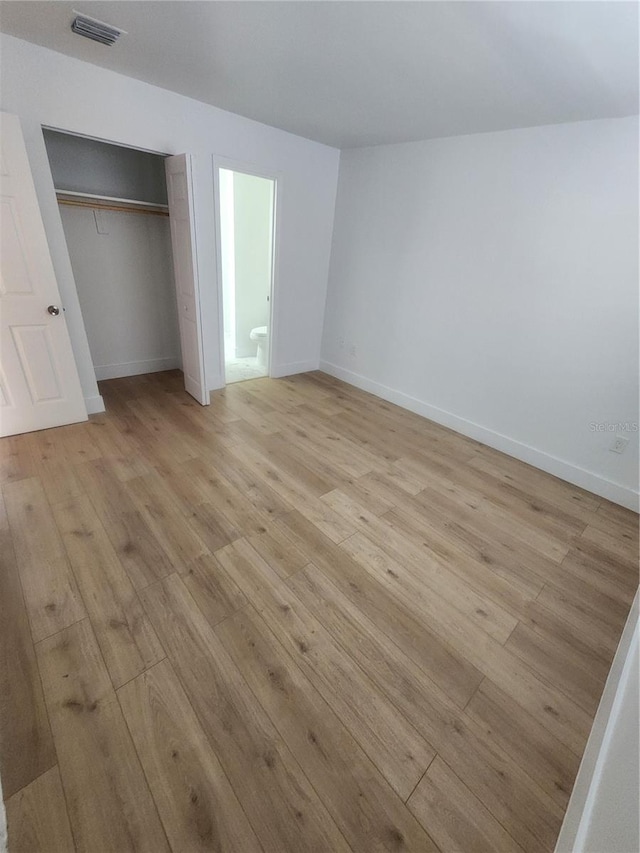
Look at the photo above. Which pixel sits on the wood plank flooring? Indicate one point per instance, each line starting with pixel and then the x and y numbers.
pixel 301 619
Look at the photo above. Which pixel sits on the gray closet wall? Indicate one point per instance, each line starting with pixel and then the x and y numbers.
pixel 88 166
pixel 122 262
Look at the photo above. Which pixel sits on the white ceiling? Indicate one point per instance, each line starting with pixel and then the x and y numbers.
pixel 366 73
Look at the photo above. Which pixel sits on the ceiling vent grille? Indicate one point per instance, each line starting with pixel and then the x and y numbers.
pixel 90 28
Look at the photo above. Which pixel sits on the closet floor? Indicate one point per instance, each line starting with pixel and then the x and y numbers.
pixel 299 619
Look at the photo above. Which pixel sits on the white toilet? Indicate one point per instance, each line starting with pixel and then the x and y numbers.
pixel 261 337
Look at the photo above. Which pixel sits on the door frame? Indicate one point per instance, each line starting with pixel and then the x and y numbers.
pixel 245 168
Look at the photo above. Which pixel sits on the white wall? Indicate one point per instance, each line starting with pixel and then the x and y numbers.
pixel 253 209
pixel 490 282
pixel 125 285
pixel 44 87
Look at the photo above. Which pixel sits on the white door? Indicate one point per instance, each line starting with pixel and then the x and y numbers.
pixel 39 384
pixel 181 218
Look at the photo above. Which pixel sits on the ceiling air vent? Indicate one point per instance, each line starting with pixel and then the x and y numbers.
pixel 90 28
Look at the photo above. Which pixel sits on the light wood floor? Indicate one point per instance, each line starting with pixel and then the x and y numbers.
pixel 301 619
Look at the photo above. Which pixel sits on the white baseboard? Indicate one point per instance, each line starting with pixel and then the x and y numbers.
pixel 614 492
pixel 94 405
pixel 134 368
pixel 280 370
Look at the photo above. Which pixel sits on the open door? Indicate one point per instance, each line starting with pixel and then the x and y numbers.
pixel 181 218
pixel 39 384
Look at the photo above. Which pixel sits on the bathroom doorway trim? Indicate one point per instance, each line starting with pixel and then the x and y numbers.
pixel 276 177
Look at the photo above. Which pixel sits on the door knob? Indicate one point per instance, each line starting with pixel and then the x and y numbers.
pixel 53 309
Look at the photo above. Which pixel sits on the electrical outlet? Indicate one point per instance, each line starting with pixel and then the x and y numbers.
pixel 619 444
pixel 101 222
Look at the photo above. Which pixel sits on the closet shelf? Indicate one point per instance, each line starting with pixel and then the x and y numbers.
pixel 105 202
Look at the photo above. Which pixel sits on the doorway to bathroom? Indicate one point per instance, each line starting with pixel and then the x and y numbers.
pixel 246 260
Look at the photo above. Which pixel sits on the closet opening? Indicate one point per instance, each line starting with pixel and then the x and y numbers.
pixel 114 207
pixel 246 246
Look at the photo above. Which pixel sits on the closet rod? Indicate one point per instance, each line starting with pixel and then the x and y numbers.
pixel 95 202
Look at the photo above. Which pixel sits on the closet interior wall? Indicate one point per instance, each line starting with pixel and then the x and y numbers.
pixel 113 205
